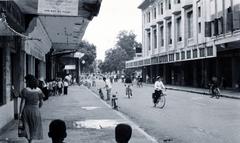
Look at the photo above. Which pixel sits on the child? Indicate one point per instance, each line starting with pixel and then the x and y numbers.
pixel 123 133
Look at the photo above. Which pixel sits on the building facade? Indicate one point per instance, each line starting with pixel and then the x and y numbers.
pixel 189 41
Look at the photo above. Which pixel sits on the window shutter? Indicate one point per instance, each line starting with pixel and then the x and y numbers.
pixel 207 29
pixel 236 20
pixel 215 27
pixel 229 21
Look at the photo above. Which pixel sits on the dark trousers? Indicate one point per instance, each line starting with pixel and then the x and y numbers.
pixel 156 95
pixel 65 90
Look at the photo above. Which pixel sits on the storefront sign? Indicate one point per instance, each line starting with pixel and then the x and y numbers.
pixel 58 7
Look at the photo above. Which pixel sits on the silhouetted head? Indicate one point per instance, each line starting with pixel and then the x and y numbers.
pixel 57 131
pixel 123 133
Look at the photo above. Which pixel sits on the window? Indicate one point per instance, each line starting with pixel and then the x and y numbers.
pixel 161 36
pixel 161 8
pixel 148 17
pixel 199 11
pixel 220 25
pixel 195 53
pixel 188 54
pixel 168 4
pixel 171 57
pixel 202 52
pixel 1 78
pixel 177 1
pixel 190 24
pixel 155 38
pixel 154 13
pixel 183 55
pixel 177 56
pixel 179 37
pixel 169 32
pixel 209 51
pixel 149 40
pixel 199 27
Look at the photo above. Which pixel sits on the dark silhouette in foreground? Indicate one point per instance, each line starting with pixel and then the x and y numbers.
pixel 57 131
pixel 123 133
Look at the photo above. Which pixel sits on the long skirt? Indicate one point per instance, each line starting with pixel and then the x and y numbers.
pixel 33 122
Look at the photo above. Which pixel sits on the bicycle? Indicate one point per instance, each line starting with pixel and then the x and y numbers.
pixel 214 92
pixel 114 101
pixel 100 93
pixel 159 100
pixel 128 91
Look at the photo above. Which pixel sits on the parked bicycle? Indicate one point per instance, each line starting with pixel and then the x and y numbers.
pixel 114 101
pixel 100 93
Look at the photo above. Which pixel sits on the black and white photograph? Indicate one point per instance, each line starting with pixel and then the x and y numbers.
pixel 119 71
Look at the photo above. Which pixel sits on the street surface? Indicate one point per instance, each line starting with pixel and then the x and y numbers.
pixel 186 118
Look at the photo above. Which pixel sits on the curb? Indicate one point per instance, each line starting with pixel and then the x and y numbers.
pixel 204 93
pixel 199 92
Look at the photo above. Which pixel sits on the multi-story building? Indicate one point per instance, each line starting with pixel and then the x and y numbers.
pixel 189 41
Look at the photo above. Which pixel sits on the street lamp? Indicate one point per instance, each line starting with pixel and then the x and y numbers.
pixel 83 62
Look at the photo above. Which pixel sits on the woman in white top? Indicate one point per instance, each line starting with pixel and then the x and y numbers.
pixel 159 87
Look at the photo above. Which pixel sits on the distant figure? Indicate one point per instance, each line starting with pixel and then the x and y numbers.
pixel 65 89
pixel 108 87
pixel 57 131
pixel 123 133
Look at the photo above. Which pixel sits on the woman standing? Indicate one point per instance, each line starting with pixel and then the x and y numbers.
pixel 31 101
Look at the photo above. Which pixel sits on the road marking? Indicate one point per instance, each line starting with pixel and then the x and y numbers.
pixel 149 137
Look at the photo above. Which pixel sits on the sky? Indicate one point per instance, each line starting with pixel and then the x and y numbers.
pixel 114 16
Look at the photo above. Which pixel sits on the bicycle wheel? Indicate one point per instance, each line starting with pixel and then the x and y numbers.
pixel 162 101
pixel 217 93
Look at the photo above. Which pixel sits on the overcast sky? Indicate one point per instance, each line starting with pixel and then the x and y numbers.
pixel 114 16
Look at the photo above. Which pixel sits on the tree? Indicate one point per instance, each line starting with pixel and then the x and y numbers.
pixel 89 57
pixel 124 50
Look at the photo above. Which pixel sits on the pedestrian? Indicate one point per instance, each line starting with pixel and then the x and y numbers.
pixel 108 87
pixel 29 113
pixel 57 131
pixel 60 86
pixel 123 133
pixel 65 84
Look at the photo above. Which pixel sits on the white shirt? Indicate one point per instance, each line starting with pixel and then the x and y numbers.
pixel 159 85
pixel 108 84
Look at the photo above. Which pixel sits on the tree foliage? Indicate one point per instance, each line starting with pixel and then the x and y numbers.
pixel 124 50
pixel 89 57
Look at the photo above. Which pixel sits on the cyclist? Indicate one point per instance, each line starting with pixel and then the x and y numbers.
pixel 213 86
pixel 158 87
pixel 128 83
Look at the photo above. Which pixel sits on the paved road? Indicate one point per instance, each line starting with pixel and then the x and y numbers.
pixel 187 117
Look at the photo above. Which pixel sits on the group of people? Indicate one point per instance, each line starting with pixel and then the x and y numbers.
pixel 57 132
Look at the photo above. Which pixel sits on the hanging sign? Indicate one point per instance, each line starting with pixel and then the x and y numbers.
pixel 58 7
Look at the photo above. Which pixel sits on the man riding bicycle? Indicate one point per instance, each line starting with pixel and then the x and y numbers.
pixel 159 87
pixel 213 86
pixel 128 83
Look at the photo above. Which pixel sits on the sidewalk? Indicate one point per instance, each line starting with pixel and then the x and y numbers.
pixel 88 120
pixel 224 93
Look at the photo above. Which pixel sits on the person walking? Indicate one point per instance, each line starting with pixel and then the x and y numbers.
pixel 31 101
pixel 108 87
pixel 65 84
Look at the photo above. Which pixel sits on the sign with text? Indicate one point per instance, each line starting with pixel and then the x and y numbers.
pixel 58 7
